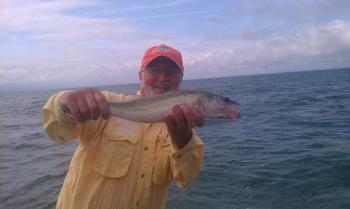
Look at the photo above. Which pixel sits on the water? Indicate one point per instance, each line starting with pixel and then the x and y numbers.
pixel 290 149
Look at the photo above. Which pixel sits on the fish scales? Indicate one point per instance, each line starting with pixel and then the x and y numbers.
pixel 154 108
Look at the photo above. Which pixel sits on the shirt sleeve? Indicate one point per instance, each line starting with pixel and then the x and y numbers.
pixel 58 125
pixel 187 162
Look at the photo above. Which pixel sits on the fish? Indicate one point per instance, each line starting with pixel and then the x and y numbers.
pixel 154 108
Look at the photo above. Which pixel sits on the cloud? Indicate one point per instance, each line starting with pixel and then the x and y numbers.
pixel 296 13
pixel 177 14
pixel 153 6
pixel 323 39
pixel 53 43
pixel 322 46
pixel 68 74
pixel 47 21
pixel 113 8
pixel 291 8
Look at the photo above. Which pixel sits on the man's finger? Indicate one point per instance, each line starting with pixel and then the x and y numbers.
pixel 171 124
pixel 92 106
pixel 102 104
pixel 83 107
pixel 189 116
pixel 199 118
pixel 179 118
pixel 74 109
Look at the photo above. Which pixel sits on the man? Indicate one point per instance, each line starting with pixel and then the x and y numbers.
pixel 119 164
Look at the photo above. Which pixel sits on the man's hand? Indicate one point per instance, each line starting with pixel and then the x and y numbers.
pixel 84 104
pixel 180 123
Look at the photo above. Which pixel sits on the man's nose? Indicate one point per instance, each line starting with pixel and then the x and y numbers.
pixel 162 75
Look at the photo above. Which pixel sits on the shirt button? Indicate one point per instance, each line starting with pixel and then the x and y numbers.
pixel 142 175
pixel 146 148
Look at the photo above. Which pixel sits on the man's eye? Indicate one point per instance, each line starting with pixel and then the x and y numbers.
pixel 172 71
pixel 157 70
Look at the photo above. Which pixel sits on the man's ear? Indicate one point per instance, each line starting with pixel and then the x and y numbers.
pixel 140 75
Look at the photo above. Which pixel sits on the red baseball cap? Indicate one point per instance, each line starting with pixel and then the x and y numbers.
pixel 162 51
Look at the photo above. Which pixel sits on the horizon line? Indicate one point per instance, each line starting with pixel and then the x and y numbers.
pixel 191 79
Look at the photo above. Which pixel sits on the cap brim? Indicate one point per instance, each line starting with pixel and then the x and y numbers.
pixel 150 59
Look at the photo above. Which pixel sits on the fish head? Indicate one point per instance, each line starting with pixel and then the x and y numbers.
pixel 216 106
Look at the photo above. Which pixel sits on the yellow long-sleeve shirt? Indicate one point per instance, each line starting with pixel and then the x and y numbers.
pixel 120 164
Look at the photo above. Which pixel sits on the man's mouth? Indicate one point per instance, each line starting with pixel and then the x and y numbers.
pixel 162 87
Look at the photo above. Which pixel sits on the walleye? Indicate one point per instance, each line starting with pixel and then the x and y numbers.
pixel 151 109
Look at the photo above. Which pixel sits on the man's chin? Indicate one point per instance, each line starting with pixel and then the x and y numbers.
pixel 158 91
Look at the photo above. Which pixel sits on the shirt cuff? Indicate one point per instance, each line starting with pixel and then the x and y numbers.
pixel 58 125
pixel 179 153
pixel 187 161
pixel 182 156
pixel 62 117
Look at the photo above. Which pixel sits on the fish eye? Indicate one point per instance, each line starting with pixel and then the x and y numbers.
pixel 226 99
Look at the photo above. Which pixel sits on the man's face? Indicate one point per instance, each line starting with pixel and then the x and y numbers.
pixel 160 76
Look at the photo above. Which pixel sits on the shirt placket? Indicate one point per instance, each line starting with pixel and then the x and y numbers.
pixel 146 163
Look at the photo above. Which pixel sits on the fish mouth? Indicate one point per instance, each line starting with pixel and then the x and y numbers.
pixel 229 112
pixel 234 116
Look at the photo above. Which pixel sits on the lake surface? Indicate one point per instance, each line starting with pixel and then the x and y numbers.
pixel 291 148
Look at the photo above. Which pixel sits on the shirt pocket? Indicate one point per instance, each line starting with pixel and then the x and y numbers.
pixel 162 166
pixel 115 152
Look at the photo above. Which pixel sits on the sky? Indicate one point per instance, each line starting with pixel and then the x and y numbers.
pixel 65 43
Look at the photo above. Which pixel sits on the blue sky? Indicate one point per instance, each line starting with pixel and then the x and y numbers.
pixel 64 43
